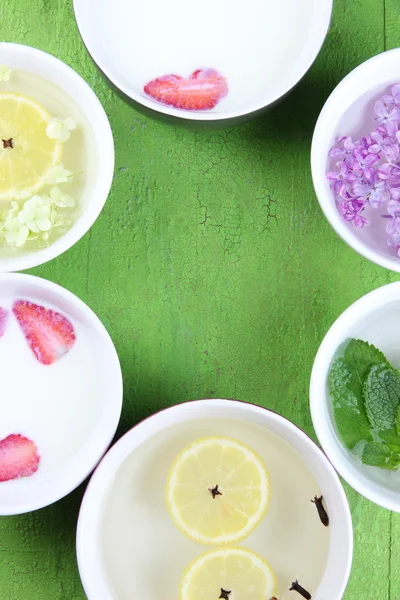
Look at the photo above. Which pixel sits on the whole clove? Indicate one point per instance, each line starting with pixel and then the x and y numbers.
pixel 224 595
pixel 8 143
pixel 214 493
pixel 296 587
pixel 323 515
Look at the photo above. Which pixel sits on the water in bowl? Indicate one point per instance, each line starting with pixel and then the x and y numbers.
pixel 79 154
pixel 142 550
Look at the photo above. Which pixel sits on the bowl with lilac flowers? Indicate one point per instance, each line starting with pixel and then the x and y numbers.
pixel 355 159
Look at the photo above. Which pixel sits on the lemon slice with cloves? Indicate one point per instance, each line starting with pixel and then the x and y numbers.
pixel 229 574
pixel 218 491
pixel 27 154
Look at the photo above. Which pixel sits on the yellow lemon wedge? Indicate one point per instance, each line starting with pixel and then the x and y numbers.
pixel 229 573
pixel 217 491
pixel 26 153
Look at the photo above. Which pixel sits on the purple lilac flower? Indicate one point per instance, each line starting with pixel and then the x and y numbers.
pixel 345 153
pixel 393 223
pixel 339 177
pixel 374 191
pixel 351 211
pixel 363 164
pixel 379 142
pixel 368 170
pixel 387 117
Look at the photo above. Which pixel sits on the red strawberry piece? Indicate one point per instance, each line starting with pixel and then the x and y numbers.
pixel 49 334
pixel 202 90
pixel 3 320
pixel 18 457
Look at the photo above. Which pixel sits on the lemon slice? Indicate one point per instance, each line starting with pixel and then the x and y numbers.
pixel 229 573
pixel 26 153
pixel 218 491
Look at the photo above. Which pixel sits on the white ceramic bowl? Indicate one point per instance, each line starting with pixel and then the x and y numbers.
pixel 144 539
pixel 98 185
pixel 345 113
pixel 374 318
pixel 70 409
pixel 263 49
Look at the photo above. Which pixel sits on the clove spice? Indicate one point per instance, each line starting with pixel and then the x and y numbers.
pixel 224 595
pixel 323 515
pixel 214 493
pixel 8 143
pixel 296 587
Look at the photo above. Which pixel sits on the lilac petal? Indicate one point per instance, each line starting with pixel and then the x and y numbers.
pixel 343 193
pixel 387 100
pixel 377 198
pixel 396 89
pixel 337 153
pixel 348 143
pixel 348 217
pixel 375 148
pixel 337 186
pixel 361 189
pixel 390 227
pixel 392 127
pixel 359 221
pixel 369 173
pixel 393 240
pixel 385 171
pixel 380 109
pixel 393 208
pixel 371 159
pixel 395 193
pixel 352 177
pixel 331 176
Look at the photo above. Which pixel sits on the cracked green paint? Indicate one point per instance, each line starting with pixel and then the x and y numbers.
pixel 215 273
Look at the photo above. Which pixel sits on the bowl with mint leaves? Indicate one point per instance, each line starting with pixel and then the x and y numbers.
pixel 355 396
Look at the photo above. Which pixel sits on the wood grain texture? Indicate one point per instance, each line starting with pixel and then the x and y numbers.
pixel 215 273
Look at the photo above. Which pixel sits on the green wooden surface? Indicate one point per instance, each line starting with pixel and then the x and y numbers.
pixel 215 273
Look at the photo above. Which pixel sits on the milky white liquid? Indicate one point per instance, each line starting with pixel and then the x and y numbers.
pixel 56 406
pixel 144 554
pixel 254 44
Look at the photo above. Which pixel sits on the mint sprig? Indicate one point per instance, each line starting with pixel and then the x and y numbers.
pixel 365 390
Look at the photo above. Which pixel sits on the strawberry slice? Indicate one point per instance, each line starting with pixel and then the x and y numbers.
pixel 202 90
pixel 49 334
pixel 3 320
pixel 18 457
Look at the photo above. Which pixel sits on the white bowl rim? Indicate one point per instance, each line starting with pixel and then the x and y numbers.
pixel 95 114
pixel 319 36
pixel 112 410
pixel 327 204
pixel 122 448
pixel 366 304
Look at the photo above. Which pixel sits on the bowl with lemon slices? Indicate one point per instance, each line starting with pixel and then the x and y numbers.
pixel 215 499
pixel 56 157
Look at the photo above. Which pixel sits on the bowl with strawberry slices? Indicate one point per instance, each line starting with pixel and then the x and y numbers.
pixel 215 62
pixel 61 392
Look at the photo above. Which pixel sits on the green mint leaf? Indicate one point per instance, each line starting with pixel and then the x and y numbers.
pixel 348 406
pixel 398 422
pixel 360 357
pixel 379 454
pixel 382 397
